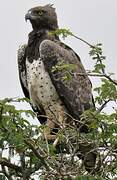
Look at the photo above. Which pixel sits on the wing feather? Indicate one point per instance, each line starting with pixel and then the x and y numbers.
pixel 23 81
pixel 22 69
pixel 76 92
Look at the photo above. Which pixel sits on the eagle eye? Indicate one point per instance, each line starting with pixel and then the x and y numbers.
pixel 39 12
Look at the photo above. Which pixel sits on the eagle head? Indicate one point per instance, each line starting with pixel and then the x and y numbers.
pixel 42 17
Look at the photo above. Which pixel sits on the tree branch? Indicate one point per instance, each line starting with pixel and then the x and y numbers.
pixel 99 75
pixel 111 80
pixel 37 154
pixel 83 41
pixel 99 59
pixel 5 162
pixel 103 105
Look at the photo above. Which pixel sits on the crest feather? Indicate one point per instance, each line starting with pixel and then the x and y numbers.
pixel 50 6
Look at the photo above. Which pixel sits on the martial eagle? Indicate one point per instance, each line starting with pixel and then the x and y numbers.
pixel 56 90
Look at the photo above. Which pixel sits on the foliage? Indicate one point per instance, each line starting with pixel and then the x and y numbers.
pixel 66 69
pixel 24 153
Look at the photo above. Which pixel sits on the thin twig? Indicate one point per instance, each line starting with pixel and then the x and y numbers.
pixel 99 59
pixel 109 78
pixel 83 41
pixel 37 154
pixel 103 105
pixel 98 75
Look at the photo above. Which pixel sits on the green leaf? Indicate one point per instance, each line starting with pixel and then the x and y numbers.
pixel 63 32
pixel 98 68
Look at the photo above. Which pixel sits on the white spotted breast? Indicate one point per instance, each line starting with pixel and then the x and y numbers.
pixel 41 89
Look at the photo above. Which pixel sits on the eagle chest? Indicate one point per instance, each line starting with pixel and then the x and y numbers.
pixel 42 91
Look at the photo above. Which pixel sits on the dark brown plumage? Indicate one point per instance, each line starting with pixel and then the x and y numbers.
pixel 73 96
pixel 44 64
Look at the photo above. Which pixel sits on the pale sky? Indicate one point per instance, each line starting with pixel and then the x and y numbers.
pixel 93 20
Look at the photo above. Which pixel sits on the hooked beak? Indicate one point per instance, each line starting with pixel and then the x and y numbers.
pixel 28 16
